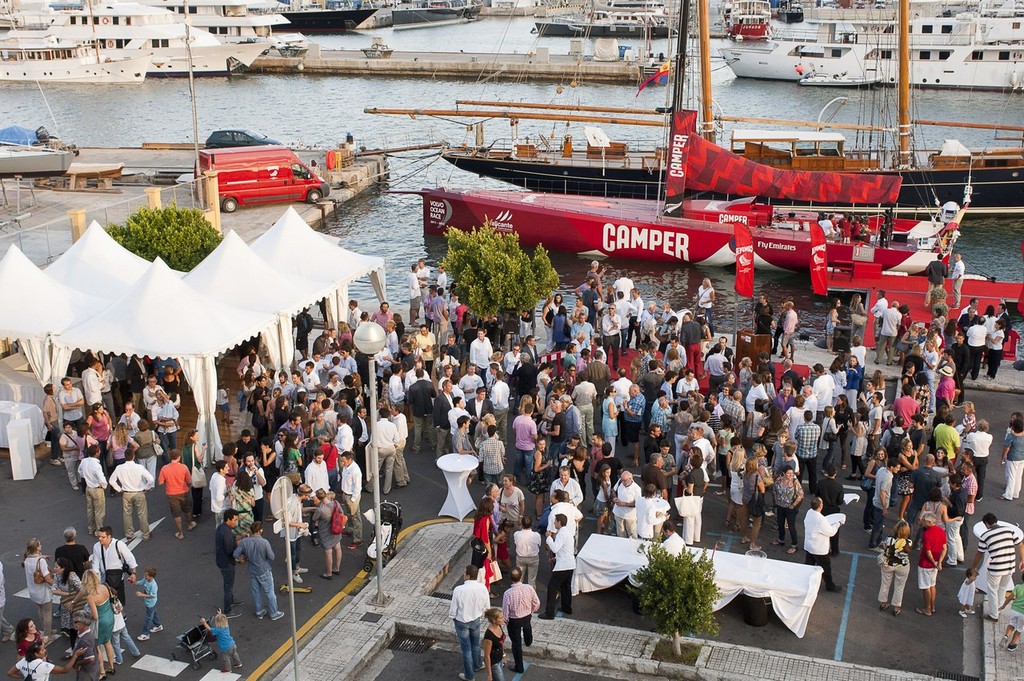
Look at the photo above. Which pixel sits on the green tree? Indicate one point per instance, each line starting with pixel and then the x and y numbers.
pixel 180 236
pixel 678 593
pixel 493 272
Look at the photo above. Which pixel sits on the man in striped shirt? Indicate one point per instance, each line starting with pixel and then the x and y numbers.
pixel 1002 543
pixel 518 605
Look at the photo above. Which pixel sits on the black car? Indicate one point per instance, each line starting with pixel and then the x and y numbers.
pixel 221 139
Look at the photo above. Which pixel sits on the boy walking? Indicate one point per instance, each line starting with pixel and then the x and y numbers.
pixel 1016 617
pixel 148 589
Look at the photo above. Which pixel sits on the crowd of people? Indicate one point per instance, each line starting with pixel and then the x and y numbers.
pixel 626 410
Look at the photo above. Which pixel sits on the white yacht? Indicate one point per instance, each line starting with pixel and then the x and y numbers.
pixel 129 29
pixel 48 59
pixel 978 51
pixel 238 21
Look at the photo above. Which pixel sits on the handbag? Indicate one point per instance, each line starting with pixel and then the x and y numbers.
pixel 37 575
pixel 338 520
pixel 495 572
pixel 198 477
pixel 479 550
pixel 867 484
pixel 756 504
pixel 689 506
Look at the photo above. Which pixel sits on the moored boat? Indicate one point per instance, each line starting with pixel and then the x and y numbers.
pixel 433 12
pixel 48 59
pixel 635 229
pixel 23 161
pixel 334 16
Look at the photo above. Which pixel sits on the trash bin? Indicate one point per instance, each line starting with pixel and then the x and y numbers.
pixel 842 338
pixel 755 610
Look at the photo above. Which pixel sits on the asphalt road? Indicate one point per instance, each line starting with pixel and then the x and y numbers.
pixel 846 626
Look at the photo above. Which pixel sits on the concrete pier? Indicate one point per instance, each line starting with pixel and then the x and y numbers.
pixel 38 218
pixel 469 65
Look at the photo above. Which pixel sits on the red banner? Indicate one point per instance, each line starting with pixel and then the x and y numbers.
pixel 819 261
pixel 1020 296
pixel 678 153
pixel 744 261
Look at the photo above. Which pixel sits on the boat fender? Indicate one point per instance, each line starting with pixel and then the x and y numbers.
pixel 1014 79
pixel 105 20
pixel 332 160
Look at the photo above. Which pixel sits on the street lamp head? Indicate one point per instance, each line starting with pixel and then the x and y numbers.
pixel 369 338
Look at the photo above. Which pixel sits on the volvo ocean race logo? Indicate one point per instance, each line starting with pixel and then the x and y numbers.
pixel 625 237
pixel 502 222
pixel 440 213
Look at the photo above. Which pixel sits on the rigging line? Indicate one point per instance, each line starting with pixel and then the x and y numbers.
pixel 56 128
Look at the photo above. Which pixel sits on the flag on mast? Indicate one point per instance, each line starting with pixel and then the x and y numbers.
pixel 819 261
pixel 744 261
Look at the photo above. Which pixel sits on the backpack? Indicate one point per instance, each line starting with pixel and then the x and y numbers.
pixel 338 520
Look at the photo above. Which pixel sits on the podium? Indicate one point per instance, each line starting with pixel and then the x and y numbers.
pixel 23 451
pixel 750 344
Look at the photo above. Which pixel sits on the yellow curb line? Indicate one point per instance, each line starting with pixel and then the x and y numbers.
pixel 314 621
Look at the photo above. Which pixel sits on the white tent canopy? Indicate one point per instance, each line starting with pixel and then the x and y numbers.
pixel 296 250
pixel 235 275
pixel 98 265
pixel 35 306
pixel 162 315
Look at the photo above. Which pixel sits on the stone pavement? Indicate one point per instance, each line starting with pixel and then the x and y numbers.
pixel 346 643
pixel 1000 663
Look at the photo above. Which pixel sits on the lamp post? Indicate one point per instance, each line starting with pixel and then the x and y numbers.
pixel 369 339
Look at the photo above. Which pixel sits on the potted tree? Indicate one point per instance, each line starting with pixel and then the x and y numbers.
pixel 679 594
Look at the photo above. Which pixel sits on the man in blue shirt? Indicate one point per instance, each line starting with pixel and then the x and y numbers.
pixel 224 549
pixel 260 557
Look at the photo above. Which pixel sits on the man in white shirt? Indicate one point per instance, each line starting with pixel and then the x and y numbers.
pixel 622 385
pixel 351 490
pixel 130 418
pixel 560 504
pixel 623 285
pixel 957 275
pixel 423 274
pixel 455 413
pixel 316 472
pixel 442 278
pixel 757 392
pixel 570 486
pixel 469 383
pixel 500 395
pixel 611 334
pixel 480 351
pixel 888 333
pixel 90 470
pixel 385 439
pixel 113 561
pixel 626 492
pixel 345 439
pixel 810 399
pixel 560 543
pixel 673 543
pixel 877 310
pixel 706 301
pixel 396 386
pixel 354 315
pixel 72 401
pixel 92 384
pixel 824 390
pixel 218 491
pixel 132 480
pixel 817 531
pixel 402 427
pixel 415 296
pixel 469 601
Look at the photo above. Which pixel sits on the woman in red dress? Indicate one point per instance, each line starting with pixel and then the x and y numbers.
pixel 483 529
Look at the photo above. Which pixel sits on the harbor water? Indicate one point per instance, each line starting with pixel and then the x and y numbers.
pixel 318 111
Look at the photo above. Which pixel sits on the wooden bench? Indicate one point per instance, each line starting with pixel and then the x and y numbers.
pixel 614 150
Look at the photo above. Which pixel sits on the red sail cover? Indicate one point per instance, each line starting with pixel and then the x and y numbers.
pixel 712 168
pixel 680 136
pixel 819 261
pixel 744 261
pixel 1020 298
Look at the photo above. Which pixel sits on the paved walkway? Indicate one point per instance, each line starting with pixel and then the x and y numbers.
pixel 1000 663
pixel 346 643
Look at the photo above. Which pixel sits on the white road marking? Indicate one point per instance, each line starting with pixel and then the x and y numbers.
pixel 161 665
pixel 218 675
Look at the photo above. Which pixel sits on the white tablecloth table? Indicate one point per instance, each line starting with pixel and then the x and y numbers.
pixel 456 468
pixel 17 382
pixel 11 411
pixel 793 587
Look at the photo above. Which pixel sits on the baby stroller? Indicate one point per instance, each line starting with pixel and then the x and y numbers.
pixel 390 526
pixel 197 642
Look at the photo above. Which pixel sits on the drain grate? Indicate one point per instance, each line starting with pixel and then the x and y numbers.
pixel 411 644
pixel 955 677
pixel 372 617
pixel 442 595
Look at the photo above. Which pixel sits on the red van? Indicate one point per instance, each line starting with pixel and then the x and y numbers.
pixel 266 174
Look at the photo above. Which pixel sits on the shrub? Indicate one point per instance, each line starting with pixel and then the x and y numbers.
pixel 180 236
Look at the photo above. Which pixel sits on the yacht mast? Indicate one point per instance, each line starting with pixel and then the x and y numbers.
pixel 904 85
pixel 679 77
pixel 707 122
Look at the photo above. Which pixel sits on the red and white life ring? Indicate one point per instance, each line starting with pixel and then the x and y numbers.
pixel 105 20
pixel 110 44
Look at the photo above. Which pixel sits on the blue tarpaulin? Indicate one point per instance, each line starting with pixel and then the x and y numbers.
pixel 18 135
